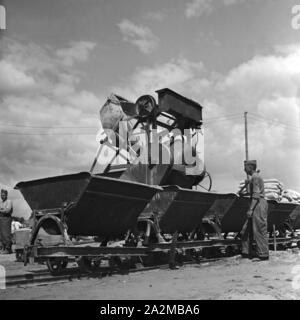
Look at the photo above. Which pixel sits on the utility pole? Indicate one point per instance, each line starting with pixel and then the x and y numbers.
pixel 246 135
pixel 249 220
pixel 246 139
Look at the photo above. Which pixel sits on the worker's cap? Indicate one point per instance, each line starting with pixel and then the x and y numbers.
pixel 250 162
pixel 4 191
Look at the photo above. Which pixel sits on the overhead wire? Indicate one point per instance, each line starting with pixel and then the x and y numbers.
pixel 225 117
pixel 274 123
pixel 43 127
pixel 216 121
pixel 209 121
pixel 206 123
pixel 46 133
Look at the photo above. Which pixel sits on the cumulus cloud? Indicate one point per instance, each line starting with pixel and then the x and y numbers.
pixel 196 8
pixel 265 86
pixel 77 51
pixel 48 124
pixel 138 35
pixel 264 77
pixel 12 79
pixel 175 73
pixel 155 16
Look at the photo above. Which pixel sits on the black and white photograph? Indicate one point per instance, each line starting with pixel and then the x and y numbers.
pixel 149 151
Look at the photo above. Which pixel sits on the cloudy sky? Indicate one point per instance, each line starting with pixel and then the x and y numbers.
pixel 61 59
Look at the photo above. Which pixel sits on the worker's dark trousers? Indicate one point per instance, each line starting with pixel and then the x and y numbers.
pixel 5 232
pixel 259 231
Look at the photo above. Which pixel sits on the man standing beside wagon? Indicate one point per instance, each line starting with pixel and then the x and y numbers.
pixel 256 226
pixel 6 210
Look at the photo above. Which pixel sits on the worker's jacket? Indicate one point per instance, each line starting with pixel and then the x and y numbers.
pixel 6 208
pixel 256 186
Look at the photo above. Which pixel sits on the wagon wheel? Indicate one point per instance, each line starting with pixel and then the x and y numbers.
pixel 51 225
pixel 121 264
pixel 89 264
pixel 56 265
pixel 204 182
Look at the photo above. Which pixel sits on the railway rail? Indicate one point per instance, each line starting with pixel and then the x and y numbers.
pixel 44 277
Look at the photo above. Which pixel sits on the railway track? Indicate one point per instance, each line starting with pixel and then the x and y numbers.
pixel 74 274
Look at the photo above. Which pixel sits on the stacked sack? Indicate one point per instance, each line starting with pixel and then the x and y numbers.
pixel 290 196
pixel 273 189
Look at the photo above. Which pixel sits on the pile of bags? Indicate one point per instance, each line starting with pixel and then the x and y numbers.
pixel 290 196
pixel 274 190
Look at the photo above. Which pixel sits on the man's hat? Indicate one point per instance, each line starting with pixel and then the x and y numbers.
pixel 4 191
pixel 250 162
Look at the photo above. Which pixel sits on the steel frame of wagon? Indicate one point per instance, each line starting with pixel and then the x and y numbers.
pixel 40 253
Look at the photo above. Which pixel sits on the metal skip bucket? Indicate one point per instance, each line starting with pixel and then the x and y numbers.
pixel 236 216
pixel 99 206
pixel 187 208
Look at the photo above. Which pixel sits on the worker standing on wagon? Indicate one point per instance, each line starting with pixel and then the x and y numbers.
pixel 256 223
pixel 6 209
